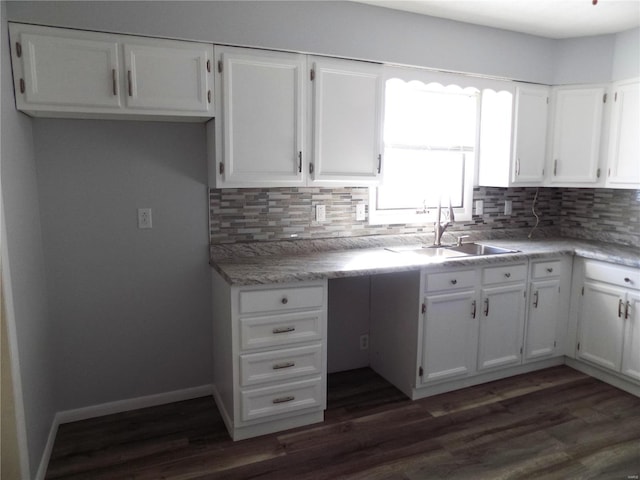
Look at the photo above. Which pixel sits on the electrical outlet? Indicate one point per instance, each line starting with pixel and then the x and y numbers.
pixel 364 341
pixel 479 207
pixel 360 214
pixel 508 207
pixel 144 218
pixel 321 213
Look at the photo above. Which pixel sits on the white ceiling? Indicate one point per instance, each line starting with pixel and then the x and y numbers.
pixel 545 18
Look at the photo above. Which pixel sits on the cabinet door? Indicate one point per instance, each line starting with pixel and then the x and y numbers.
pixel 624 152
pixel 530 134
pixel 601 325
pixel 501 326
pixel 170 76
pixel 544 306
pixel 450 336
pixel 576 135
pixel 259 119
pixel 76 73
pixel 347 118
pixel 631 348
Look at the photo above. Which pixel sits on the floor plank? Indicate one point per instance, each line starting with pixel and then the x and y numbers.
pixel 553 424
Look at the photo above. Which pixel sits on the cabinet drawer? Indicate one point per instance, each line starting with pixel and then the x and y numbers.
pixel 265 402
pixel 280 365
pixel 551 268
pixel 615 274
pixel 281 299
pixel 285 329
pixel 451 280
pixel 509 273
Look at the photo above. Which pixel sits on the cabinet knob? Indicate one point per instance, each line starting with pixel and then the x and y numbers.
pixel 284 300
pixel 508 275
pixel 627 280
pixel 550 269
pixel 454 281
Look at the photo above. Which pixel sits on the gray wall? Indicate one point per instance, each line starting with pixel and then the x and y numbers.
pixel 24 269
pixel 626 58
pixel 131 307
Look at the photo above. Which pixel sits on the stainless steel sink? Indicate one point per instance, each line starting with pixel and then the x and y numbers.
pixel 477 249
pixel 444 252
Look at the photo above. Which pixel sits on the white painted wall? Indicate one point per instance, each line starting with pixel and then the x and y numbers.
pixel 131 307
pixel 23 274
pixel 584 60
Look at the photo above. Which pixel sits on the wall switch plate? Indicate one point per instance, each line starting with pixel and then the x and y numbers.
pixel 360 214
pixel 321 213
pixel 144 218
pixel 364 342
pixel 508 207
pixel 479 207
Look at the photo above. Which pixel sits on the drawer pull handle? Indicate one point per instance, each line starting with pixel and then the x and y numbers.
pixel 283 329
pixel 284 300
pixel 535 299
pixel 627 311
pixel 454 281
pixel 290 398
pixel 473 312
pixel 279 366
pixel 130 83
pixel 486 307
pixel 620 305
pixel 550 269
pixel 508 275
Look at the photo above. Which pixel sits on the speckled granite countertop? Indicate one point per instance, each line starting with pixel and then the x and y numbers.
pixel 271 266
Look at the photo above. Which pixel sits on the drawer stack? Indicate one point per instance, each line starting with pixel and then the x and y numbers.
pixel 281 350
pixel 272 375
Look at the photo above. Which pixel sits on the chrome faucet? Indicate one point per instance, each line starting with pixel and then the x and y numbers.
pixel 439 227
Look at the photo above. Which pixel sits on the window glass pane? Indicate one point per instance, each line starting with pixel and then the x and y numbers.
pixel 418 178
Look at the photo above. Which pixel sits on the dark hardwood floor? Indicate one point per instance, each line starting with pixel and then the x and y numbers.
pixel 552 424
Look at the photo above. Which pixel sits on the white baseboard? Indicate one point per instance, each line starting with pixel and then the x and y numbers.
pixel 93 411
pixel 612 378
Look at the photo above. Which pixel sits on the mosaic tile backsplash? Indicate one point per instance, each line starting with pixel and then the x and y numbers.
pixel 265 214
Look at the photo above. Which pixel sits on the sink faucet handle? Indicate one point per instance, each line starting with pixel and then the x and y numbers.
pixel 460 238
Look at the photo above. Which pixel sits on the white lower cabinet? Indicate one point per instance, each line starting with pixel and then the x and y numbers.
pixel 269 355
pixel 548 308
pixel 609 321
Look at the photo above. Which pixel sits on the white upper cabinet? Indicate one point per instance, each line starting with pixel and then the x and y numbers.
pixel 347 122
pixel 577 128
pixel 260 123
pixel 168 75
pixel 72 73
pixel 530 135
pixel 624 147
pixel 513 132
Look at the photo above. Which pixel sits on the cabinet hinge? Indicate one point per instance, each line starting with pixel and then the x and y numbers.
pixel 209 66
pixel 18 49
pixel 547 100
pixel 221 168
pixel 424 308
pixel 524 294
pixel 578 345
pixel 312 74
pixel 543 172
pixel 22 86
pixel 219 66
pixel 598 173
pixel 604 98
pixel 554 344
pixel 582 293
pixel 420 372
pixel 520 350
pixel 615 97
pixel 311 168
pixel 209 96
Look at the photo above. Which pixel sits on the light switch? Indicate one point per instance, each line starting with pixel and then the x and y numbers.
pixel 508 207
pixel 144 218
pixel 321 213
pixel 360 213
pixel 479 207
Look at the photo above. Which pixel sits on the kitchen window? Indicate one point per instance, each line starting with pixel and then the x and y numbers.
pixel 430 145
